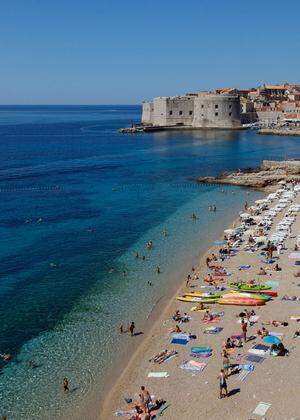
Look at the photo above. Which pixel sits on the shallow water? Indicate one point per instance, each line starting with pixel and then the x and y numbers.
pixel 101 196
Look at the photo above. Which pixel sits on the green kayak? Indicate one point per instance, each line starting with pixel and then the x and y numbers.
pixel 249 287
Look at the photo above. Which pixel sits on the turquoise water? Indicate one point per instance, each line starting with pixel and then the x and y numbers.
pixel 100 197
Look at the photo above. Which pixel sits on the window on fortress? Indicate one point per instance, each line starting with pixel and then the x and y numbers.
pixel 180 112
pixel 230 114
pixel 217 106
pixel 191 112
pixel 230 106
pixel 216 114
pixel 202 106
pixel 170 112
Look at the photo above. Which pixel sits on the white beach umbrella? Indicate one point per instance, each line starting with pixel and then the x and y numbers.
pixel 261 239
pixel 229 231
pixel 245 215
pixel 249 232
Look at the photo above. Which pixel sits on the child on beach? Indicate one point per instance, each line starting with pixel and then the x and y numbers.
pixel 223 384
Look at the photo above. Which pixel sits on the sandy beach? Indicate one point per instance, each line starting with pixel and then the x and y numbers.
pixel 193 394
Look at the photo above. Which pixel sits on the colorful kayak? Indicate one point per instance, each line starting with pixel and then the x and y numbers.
pixel 203 294
pixel 271 293
pixel 242 295
pixel 249 287
pixel 241 301
pixel 185 298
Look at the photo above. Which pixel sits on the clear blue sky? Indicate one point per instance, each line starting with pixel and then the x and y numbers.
pixel 124 51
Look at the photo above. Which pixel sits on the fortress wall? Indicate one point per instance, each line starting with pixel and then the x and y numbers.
pixel 147 114
pixel 170 111
pixel 217 111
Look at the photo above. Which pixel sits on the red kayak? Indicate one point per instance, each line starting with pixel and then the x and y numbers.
pixel 269 293
pixel 241 301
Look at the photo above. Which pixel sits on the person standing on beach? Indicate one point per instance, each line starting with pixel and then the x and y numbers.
pixel 244 330
pixel 66 385
pixel 223 384
pixel 146 397
pixel 132 328
pixel 226 363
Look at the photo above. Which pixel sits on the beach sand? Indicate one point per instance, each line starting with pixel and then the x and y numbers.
pixel 192 395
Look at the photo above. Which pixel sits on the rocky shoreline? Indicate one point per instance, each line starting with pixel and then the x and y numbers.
pixel 266 176
pixel 280 131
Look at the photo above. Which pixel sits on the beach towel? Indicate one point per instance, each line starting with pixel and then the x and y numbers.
pixel 201 349
pixel 272 283
pixel 276 334
pixel 201 355
pixel 261 347
pixel 158 375
pixel 295 318
pixel 182 339
pixel 213 321
pixel 193 365
pixel 254 358
pixel 257 352
pixel 247 367
pixel 244 267
pixel 261 409
pixel 212 330
pixel 243 375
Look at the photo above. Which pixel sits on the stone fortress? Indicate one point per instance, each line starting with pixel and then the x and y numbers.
pixel 203 110
pixel 230 108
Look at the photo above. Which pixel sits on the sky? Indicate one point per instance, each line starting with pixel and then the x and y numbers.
pixel 127 51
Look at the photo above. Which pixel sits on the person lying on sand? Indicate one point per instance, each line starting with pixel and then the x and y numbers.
pixel 209 279
pixel 262 333
pixel 207 316
pixel 277 268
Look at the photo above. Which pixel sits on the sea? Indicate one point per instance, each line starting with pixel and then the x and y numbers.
pixel 78 200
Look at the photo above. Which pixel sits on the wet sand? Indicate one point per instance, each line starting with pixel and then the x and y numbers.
pixel 188 395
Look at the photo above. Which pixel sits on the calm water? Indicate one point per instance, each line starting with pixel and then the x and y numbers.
pixel 76 199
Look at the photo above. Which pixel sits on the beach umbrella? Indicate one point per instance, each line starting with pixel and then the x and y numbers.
pixel 261 239
pixel 249 232
pixel 245 215
pixel 229 231
pixel 271 339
